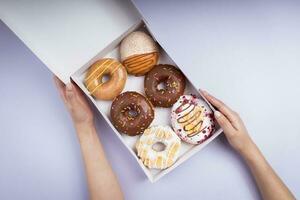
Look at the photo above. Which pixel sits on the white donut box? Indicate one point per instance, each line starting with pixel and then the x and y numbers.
pixel 68 36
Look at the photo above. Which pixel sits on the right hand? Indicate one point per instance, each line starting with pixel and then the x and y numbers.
pixel 232 125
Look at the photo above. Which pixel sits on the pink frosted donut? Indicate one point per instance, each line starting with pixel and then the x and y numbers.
pixel 192 119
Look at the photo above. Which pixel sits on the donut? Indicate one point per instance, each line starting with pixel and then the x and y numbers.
pixel 131 113
pixel 192 119
pixel 110 89
pixel 158 158
pixel 173 81
pixel 139 53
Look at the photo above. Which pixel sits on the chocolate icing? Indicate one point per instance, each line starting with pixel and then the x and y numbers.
pixel 131 113
pixel 173 80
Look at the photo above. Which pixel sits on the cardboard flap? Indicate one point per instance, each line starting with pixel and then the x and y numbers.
pixel 66 34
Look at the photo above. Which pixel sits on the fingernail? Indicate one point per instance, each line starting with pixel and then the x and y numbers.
pixel 69 86
pixel 69 91
pixel 217 114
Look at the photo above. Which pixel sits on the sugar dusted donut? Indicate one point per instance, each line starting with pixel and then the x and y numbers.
pixel 173 81
pixel 192 119
pixel 153 157
pixel 139 53
pixel 131 113
pixel 110 89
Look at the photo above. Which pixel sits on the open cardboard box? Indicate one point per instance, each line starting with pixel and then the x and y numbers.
pixel 70 58
pixel 133 83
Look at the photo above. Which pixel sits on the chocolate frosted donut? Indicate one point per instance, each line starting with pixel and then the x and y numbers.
pixel 172 82
pixel 131 113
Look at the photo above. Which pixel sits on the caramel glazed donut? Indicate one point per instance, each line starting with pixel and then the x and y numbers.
pixel 173 81
pixel 131 113
pixel 139 53
pixel 114 86
pixel 192 119
pixel 163 158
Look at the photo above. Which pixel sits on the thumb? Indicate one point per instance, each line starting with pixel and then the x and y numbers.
pixel 224 123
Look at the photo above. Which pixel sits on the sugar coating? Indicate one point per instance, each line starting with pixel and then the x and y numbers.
pixel 136 43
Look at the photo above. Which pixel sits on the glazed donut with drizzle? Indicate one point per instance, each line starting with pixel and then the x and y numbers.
pixel 192 119
pixel 158 147
pixel 101 89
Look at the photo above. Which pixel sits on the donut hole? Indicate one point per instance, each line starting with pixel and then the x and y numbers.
pixel 158 146
pixel 132 113
pixel 161 85
pixel 105 78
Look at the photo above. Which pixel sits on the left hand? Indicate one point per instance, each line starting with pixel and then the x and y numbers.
pixel 76 103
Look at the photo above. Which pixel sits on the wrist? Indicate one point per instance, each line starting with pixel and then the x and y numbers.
pixel 85 129
pixel 250 152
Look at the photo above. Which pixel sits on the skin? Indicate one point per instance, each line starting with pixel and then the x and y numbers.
pixel 270 185
pixel 102 182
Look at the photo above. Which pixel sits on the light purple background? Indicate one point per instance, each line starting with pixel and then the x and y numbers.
pixel 40 155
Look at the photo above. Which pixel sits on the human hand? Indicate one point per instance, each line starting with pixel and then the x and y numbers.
pixel 75 102
pixel 232 125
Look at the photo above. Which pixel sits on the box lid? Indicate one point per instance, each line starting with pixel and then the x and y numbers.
pixel 66 34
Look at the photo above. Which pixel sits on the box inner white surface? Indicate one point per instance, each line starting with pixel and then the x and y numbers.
pixel 133 83
pixel 66 34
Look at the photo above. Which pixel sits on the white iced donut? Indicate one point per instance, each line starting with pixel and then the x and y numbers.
pixel 192 119
pixel 158 147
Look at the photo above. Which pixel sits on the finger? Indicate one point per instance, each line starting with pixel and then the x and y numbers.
pixel 216 102
pixel 230 115
pixel 77 90
pixel 81 97
pixel 61 88
pixel 71 96
pixel 224 123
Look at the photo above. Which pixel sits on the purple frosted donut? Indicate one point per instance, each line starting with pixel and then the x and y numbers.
pixel 192 119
